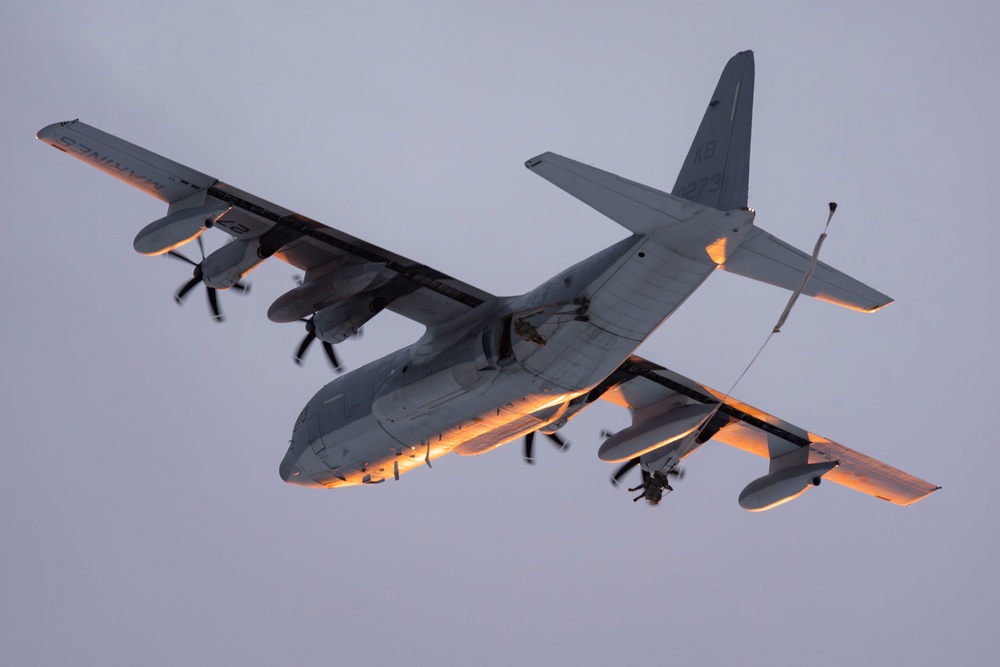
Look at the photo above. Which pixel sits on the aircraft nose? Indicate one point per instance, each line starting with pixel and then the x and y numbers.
pixel 287 465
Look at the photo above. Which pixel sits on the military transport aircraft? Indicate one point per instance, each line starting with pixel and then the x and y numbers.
pixel 488 369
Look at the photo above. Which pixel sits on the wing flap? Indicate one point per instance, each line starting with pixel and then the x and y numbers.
pixel 642 384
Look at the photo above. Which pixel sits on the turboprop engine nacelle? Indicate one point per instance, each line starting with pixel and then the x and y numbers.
pixel 317 294
pixel 783 485
pixel 176 229
pixel 340 321
pixel 654 433
pixel 227 265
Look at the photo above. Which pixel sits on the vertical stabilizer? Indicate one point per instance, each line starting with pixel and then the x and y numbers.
pixel 716 172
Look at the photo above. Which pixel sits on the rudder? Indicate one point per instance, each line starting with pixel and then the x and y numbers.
pixel 716 172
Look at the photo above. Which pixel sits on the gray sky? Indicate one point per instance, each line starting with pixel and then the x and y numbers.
pixel 143 519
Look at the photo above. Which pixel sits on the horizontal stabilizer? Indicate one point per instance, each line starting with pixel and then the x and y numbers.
pixel 164 179
pixel 638 208
pixel 770 260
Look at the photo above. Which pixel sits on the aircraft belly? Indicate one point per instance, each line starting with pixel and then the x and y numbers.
pixel 645 290
pixel 476 421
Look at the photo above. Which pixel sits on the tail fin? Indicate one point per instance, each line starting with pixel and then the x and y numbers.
pixel 716 172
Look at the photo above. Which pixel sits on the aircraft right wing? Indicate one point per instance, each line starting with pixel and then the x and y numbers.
pixel 641 385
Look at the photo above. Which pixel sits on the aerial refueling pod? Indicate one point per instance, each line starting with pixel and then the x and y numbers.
pixel 654 433
pixel 783 485
pixel 176 229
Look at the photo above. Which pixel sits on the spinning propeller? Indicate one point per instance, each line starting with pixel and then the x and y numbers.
pixel 529 443
pixel 327 347
pixel 622 471
pixel 213 300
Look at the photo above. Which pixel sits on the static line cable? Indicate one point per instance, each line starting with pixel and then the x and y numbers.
pixel 809 272
pixel 777 329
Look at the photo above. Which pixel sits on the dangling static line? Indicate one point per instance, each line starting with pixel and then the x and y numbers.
pixel 777 328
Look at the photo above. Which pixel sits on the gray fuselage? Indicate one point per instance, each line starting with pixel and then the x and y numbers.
pixel 518 365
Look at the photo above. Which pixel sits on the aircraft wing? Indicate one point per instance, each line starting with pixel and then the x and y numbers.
pixel 640 385
pixel 323 253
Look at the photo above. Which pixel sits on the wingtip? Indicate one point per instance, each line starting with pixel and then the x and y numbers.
pixel 878 307
pixel 535 161
pixel 48 129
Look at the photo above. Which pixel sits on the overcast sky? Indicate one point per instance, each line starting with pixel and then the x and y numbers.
pixel 143 520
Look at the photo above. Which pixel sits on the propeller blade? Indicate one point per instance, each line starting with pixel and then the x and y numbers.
pixel 213 304
pixel 529 443
pixel 558 441
pixel 174 253
pixel 332 356
pixel 300 353
pixel 628 465
pixel 185 288
pixel 327 348
pixel 213 300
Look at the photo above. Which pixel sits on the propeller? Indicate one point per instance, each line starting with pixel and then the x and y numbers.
pixel 307 341
pixel 622 471
pixel 198 276
pixel 529 443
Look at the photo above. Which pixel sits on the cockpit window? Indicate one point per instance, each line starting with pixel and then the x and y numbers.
pixel 301 419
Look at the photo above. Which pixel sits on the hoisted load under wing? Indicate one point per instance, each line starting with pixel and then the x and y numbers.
pixel 798 458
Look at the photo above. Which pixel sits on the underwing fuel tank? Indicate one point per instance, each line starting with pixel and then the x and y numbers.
pixel 783 485
pixel 176 229
pixel 654 433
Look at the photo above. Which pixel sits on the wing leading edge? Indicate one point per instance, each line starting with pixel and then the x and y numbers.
pixel 642 384
pixel 324 253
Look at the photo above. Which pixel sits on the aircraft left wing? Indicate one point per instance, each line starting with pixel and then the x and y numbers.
pixel 338 267
pixel 641 386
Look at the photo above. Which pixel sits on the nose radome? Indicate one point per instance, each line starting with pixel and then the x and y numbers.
pixel 287 465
